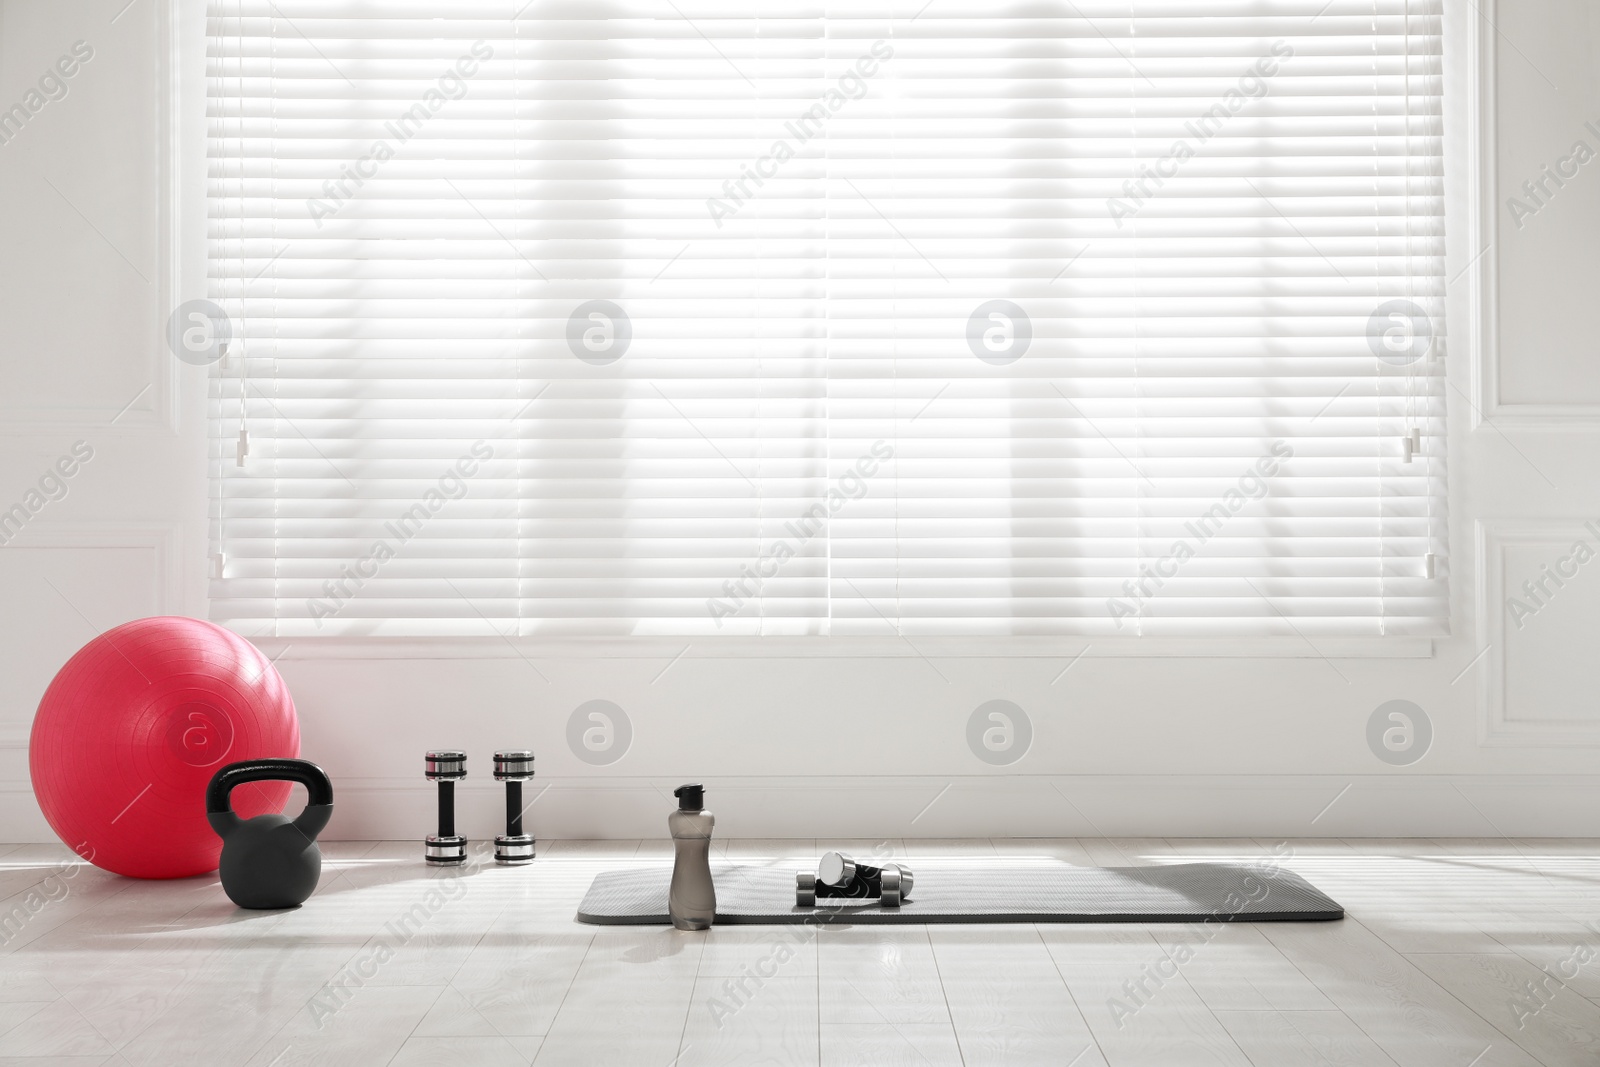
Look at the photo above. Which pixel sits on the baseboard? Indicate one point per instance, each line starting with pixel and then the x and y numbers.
pixel 1261 806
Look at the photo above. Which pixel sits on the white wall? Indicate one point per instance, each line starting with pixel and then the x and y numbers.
pixel 839 740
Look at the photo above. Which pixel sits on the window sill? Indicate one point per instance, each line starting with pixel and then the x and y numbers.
pixel 1063 648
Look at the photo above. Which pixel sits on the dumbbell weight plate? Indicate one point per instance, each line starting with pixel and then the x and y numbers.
pixel 895 881
pixel 513 765
pixel 513 850
pixel 446 763
pixel 835 869
pixel 805 889
pixel 444 851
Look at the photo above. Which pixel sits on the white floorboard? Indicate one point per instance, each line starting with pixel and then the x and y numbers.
pixel 1431 968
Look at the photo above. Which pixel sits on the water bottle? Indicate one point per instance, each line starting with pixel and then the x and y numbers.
pixel 692 900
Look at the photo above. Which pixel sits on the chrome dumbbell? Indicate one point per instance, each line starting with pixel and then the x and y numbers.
pixel 447 766
pixel 513 767
pixel 838 877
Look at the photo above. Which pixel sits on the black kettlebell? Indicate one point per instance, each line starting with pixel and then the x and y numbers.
pixel 270 861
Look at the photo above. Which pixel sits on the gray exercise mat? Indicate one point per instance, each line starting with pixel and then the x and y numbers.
pixel 986 893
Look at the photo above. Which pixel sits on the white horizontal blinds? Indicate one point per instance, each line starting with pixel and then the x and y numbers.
pixel 362 163
pixel 941 196
pixel 791 211
pixel 1198 208
pixel 669 475
pixel 479 286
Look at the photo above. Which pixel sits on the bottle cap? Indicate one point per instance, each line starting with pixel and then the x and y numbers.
pixel 691 797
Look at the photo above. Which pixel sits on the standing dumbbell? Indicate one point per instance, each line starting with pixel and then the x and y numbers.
pixel 444 849
pixel 513 767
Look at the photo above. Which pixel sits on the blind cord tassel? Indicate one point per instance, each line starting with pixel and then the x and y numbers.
pixel 244 447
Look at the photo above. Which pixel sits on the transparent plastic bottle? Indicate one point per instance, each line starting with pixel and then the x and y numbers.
pixel 692 899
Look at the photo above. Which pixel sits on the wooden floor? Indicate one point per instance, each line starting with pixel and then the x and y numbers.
pixel 1455 953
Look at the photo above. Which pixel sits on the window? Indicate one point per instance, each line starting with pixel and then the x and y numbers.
pixel 783 318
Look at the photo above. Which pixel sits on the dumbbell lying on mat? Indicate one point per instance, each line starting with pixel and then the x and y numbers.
pixel 838 877
pixel 446 766
pixel 513 767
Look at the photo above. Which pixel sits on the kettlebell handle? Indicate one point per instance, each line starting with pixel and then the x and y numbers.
pixel 319 791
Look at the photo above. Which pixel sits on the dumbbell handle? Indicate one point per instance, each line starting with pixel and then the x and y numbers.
pixel 513 808
pixel 447 808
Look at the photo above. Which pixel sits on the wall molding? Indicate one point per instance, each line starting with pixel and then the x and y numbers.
pixel 20 817
pixel 166 538
pixel 161 419
pixel 1483 104
pixel 859 647
pixel 1402 803
pixel 1496 729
